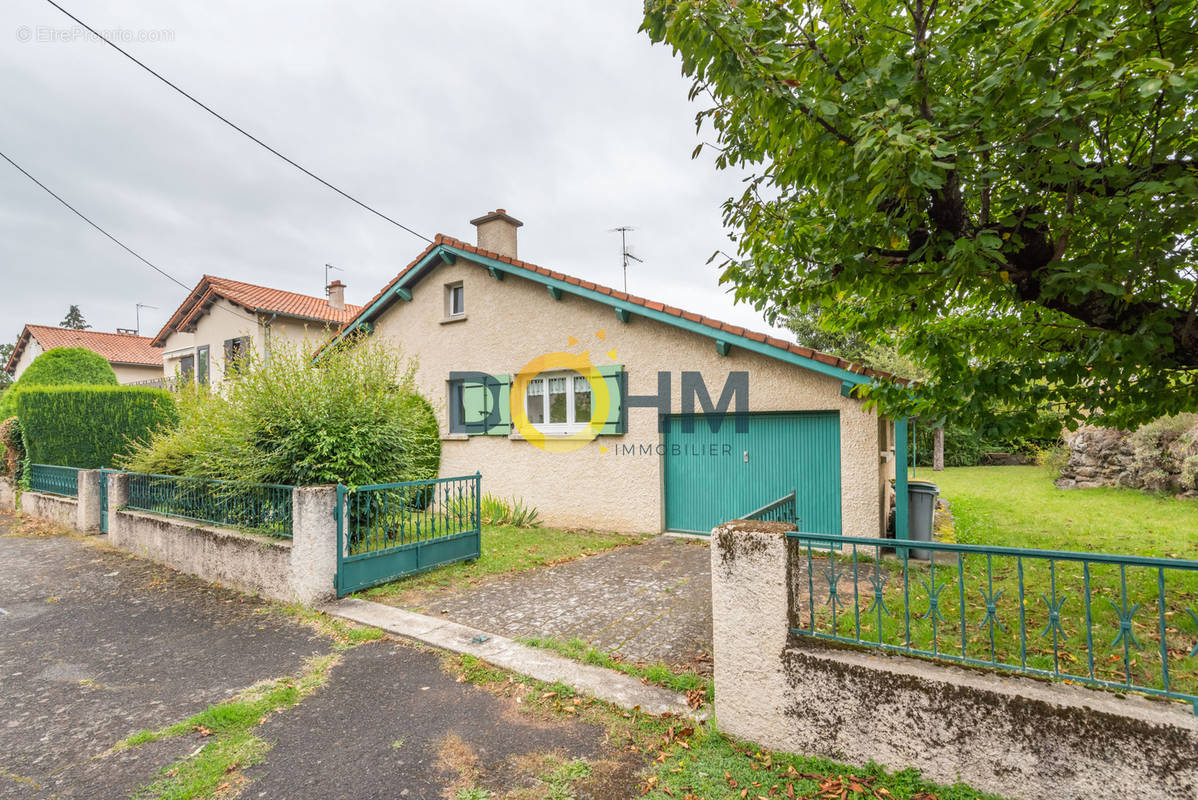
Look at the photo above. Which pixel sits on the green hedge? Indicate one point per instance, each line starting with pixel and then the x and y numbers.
pixel 88 426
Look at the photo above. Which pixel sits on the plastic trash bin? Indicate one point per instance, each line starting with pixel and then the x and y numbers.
pixel 921 511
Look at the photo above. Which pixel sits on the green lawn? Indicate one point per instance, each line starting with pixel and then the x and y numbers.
pixel 978 614
pixel 505 550
pixel 1019 507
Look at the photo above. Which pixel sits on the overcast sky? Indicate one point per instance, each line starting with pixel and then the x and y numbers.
pixel 560 112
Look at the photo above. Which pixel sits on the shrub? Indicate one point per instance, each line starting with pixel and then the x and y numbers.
pixel 90 426
pixel 354 417
pixel 13 446
pixel 60 366
pixel 1162 452
pixel 497 511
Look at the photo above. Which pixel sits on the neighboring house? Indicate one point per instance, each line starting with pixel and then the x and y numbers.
pixel 567 348
pixel 222 319
pixel 132 357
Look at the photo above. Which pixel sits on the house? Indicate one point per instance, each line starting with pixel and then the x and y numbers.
pixel 223 319
pixel 133 358
pixel 576 398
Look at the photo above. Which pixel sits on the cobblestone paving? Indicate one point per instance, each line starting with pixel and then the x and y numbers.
pixel 647 602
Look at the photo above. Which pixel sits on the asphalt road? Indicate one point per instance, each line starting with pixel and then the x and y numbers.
pixel 96 645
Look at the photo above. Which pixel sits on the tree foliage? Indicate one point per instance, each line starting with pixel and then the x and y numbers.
pixel 353 418
pixel 74 319
pixel 1008 186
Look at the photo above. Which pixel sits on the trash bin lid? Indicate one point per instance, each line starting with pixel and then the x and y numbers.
pixel 923 487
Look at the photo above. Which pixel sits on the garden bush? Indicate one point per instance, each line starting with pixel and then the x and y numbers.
pixel 353 417
pixel 12 445
pixel 60 366
pixel 90 426
pixel 1165 454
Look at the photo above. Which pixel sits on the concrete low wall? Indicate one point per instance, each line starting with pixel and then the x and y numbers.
pixel 8 495
pixel 51 507
pixel 300 570
pixel 1014 736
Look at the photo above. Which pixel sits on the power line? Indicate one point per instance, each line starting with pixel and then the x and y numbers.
pixel 238 128
pixel 118 242
pixel 79 214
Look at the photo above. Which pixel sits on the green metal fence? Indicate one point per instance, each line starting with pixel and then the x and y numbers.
pixel 51 479
pixel 781 510
pixel 1111 621
pixel 261 507
pixel 387 531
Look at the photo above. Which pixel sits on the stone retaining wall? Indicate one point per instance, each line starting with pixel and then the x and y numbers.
pixel 1097 457
pixel 8 495
pixel 1014 736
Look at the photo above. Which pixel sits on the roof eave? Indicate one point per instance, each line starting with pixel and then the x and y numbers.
pixel 434 254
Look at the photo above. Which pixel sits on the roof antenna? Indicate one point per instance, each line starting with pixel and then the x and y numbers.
pixel 623 231
pixel 137 317
pixel 328 267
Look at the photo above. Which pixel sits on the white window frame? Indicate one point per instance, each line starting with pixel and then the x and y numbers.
pixel 450 290
pixel 571 425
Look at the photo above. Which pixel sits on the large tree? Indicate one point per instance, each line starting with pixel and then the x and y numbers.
pixel 1010 186
pixel 74 319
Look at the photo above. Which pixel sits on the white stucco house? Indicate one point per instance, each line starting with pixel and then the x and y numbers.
pixel 221 318
pixel 133 358
pixel 610 411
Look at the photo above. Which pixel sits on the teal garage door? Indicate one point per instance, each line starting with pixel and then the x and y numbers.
pixel 714 476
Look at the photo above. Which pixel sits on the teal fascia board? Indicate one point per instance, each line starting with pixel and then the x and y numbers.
pixel 404 294
pixel 448 257
pixel 722 347
pixel 622 314
pixel 900 479
pixel 695 327
pixel 555 292
pixel 496 274
pixel 846 388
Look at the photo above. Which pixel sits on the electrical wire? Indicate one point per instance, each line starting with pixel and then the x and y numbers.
pixel 238 128
pixel 117 241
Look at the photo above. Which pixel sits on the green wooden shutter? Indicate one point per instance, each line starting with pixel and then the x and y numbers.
pixel 617 416
pixel 474 402
pixel 504 426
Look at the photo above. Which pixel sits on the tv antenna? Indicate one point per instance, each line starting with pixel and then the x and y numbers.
pixel 328 267
pixel 623 231
pixel 137 317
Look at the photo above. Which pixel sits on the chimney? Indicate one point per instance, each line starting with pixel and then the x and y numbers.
pixel 336 293
pixel 497 232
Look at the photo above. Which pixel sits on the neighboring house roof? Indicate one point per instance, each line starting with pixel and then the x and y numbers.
pixel 253 298
pixel 445 248
pixel 117 348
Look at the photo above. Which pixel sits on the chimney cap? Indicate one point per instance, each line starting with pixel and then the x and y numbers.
pixel 498 213
pixel 336 283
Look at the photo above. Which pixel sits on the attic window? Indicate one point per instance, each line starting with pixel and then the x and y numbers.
pixel 455 300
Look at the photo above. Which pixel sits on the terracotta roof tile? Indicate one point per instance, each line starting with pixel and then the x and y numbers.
pixel 806 352
pixel 254 299
pixel 117 348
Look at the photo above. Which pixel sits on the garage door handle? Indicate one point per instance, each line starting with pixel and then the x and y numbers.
pixel 746 456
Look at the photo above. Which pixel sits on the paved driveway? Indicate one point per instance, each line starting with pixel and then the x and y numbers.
pixel 646 602
pixel 96 645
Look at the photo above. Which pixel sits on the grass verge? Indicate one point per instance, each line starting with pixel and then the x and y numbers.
pixel 505 550
pixel 683 681
pixel 677 758
pixel 230 744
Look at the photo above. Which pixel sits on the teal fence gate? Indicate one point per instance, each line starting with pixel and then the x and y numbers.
pixel 390 530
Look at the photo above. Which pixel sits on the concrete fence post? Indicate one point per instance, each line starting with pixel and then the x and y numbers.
pixel 750 608
pixel 314 544
pixel 118 498
pixel 87 507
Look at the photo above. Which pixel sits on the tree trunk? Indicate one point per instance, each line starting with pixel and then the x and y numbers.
pixel 938 449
